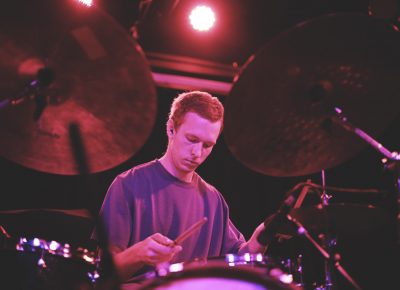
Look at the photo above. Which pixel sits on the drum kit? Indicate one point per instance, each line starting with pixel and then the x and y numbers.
pixel 74 79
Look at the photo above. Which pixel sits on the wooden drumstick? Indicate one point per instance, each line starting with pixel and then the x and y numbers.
pixel 190 231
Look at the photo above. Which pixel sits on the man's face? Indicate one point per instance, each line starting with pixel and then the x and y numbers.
pixel 192 142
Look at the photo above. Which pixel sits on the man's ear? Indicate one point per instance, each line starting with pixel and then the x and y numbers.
pixel 170 128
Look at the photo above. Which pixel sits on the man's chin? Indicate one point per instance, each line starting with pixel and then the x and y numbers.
pixel 189 167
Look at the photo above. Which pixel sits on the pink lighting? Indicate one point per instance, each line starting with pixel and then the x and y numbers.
pixel 86 2
pixel 202 18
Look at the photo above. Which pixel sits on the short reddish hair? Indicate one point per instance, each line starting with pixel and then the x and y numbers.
pixel 201 103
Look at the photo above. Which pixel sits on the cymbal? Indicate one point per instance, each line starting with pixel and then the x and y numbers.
pixel 279 114
pixel 78 212
pixel 63 225
pixel 94 78
pixel 340 219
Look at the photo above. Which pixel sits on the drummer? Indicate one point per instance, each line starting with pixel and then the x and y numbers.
pixel 147 207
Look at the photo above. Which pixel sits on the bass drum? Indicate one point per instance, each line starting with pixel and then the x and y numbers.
pixel 247 272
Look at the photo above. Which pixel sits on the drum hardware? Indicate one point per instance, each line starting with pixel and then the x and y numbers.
pixel 390 158
pixel 334 259
pixel 328 241
pixel 329 221
pixel 299 270
pixel 294 267
pixel 346 213
pixel 34 90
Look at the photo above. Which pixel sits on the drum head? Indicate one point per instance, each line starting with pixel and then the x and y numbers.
pixel 216 275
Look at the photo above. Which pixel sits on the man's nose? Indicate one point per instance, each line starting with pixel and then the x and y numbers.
pixel 196 150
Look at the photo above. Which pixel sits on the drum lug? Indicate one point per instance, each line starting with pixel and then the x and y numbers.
pixel 93 276
pixel 41 262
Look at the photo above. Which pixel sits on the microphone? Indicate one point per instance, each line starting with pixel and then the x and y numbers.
pixel 272 223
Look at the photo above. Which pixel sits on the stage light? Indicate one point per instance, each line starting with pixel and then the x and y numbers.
pixel 202 18
pixel 86 2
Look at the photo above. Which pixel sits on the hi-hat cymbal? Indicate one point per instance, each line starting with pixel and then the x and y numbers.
pixel 341 219
pixel 95 77
pixel 279 113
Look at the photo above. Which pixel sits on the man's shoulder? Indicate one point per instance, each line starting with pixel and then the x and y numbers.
pixel 137 171
pixel 208 188
pixel 134 181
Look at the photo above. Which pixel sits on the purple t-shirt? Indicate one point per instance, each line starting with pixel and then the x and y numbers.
pixel 147 199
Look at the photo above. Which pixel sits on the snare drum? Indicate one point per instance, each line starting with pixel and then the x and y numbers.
pixel 247 272
pixel 37 264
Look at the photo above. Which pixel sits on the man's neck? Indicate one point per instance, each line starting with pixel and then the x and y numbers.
pixel 168 165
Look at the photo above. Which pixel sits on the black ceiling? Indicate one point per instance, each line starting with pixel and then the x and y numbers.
pixel 242 27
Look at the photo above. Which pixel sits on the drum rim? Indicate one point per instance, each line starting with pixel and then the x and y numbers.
pixel 51 247
pixel 218 269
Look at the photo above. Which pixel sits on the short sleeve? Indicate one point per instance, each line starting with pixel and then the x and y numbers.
pixel 116 215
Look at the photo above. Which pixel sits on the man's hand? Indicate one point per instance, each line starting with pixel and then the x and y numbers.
pixel 156 249
pixel 252 245
pixel 153 250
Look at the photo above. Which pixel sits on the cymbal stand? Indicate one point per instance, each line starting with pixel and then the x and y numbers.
pixel 334 259
pixel 391 158
pixel 328 241
pixel 324 196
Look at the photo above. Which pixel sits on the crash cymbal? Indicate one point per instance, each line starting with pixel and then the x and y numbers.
pixel 73 67
pixel 279 113
pixel 337 219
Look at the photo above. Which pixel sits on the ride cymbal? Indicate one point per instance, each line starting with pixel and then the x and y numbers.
pixel 279 113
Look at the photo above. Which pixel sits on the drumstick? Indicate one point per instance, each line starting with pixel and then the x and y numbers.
pixel 190 231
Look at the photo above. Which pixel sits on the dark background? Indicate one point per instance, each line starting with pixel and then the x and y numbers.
pixel 251 196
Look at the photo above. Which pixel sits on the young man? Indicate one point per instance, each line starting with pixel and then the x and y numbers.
pixel 150 205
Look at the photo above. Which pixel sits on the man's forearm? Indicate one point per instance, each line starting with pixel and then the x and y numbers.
pixel 126 264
